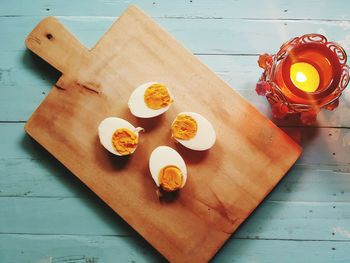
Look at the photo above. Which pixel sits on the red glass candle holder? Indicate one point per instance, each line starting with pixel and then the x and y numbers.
pixel 276 83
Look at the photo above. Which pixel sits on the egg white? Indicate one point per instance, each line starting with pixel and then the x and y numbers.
pixel 137 104
pixel 106 129
pixel 164 156
pixel 205 137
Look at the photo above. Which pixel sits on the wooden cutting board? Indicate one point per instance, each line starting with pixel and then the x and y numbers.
pixel 225 184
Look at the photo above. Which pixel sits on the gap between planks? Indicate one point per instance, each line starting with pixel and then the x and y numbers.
pixel 89 199
pixel 185 17
pixel 137 236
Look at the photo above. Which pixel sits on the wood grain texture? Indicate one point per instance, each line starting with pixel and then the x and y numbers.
pixel 222 48
pixel 272 220
pixel 268 9
pixel 232 69
pixel 204 36
pixel 29 172
pixel 94 249
pixel 323 147
pixel 223 188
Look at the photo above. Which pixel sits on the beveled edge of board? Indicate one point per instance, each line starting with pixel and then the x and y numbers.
pixel 134 8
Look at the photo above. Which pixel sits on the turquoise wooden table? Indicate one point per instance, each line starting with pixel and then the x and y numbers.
pixel 47 215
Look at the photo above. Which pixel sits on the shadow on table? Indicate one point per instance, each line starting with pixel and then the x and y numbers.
pixel 68 181
pixel 93 202
pixel 302 135
pixel 249 230
pixel 39 67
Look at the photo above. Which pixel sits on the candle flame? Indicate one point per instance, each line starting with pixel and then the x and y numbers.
pixel 305 76
pixel 301 77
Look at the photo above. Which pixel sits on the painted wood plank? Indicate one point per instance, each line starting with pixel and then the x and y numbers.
pixel 29 97
pixel 88 216
pixel 240 72
pixel 23 67
pixel 66 133
pixel 18 67
pixel 93 249
pixel 213 36
pixel 48 178
pixel 38 178
pixel 248 250
pixel 283 251
pixel 67 216
pixel 326 146
pixel 271 9
pixel 315 184
pixel 79 216
pixel 75 249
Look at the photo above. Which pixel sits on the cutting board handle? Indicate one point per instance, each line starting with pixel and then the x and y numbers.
pixel 51 41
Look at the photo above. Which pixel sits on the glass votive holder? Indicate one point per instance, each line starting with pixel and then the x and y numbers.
pixel 307 74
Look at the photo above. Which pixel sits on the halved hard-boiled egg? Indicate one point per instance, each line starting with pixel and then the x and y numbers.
pixel 167 168
pixel 150 100
pixel 118 136
pixel 193 131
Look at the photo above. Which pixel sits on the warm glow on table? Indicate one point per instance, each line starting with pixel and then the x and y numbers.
pixel 304 76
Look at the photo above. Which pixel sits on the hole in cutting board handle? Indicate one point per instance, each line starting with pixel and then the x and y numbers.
pixel 51 41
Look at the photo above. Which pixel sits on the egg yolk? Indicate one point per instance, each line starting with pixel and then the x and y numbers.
pixel 157 97
pixel 184 127
pixel 170 178
pixel 124 141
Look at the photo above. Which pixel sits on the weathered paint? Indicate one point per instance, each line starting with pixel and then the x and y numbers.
pixel 46 215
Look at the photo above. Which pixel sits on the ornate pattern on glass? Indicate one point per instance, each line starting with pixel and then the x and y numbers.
pixel 307 74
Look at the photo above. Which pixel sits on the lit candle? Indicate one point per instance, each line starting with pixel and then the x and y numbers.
pixel 304 76
pixel 307 74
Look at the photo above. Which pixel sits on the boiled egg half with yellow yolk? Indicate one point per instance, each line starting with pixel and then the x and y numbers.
pixel 167 168
pixel 193 131
pixel 118 136
pixel 149 100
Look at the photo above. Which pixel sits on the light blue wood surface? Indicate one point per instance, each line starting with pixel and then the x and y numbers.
pixel 47 215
